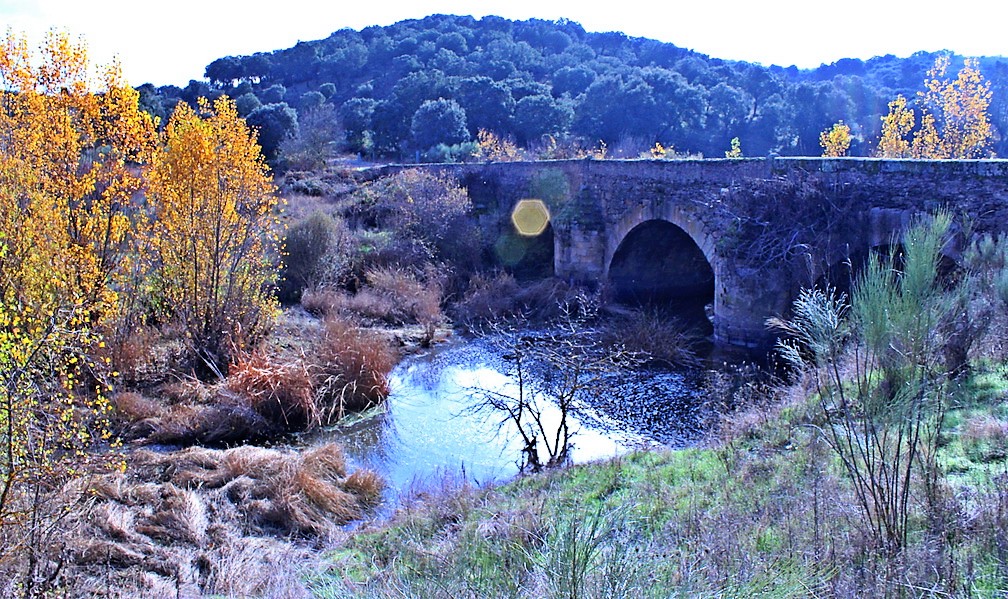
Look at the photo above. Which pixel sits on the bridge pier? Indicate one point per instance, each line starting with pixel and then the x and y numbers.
pixel 579 256
pixel 744 300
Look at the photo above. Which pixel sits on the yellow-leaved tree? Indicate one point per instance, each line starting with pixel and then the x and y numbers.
pixel 896 126
pixel 836 140
pixel 71 139
pixel 215 233
pixel 736 149
pixel 954 123
pixel 493 147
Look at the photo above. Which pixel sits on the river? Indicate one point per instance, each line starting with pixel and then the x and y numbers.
pixel 428 430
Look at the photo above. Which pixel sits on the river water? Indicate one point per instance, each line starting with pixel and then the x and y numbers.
pixel 428 430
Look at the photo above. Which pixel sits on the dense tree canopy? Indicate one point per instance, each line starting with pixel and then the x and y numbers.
pixel 628 92
pixel 438 121
pixel 274 124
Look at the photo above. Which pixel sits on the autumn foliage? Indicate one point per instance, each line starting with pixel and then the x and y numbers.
pixel 214 232
pixel 69 146
pixel 953 122
pixel 105 225
pixel 836 140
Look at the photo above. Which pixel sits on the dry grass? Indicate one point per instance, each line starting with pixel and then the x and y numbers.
pixel 353 369
pixel 658 336
pixel 281 391
pixel 985 438
pixel 226 421
pixel 310 378
pixel 194 522
pixel 365 484
pixel 132 406
pixel 186 390
pixel 143 356
pixel 418 296
pixel 393 296
pixel 323 301
pixel 501 296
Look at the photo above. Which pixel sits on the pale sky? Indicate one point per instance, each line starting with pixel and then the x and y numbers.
pixel 175 44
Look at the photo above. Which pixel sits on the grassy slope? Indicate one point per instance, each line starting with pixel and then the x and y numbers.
pixel 761 510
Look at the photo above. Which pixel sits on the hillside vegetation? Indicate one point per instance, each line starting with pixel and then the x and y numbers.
pixel 553 87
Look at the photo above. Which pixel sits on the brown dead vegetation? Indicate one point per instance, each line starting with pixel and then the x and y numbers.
pixel 394 296
pixel 240 522
pixel 309 378
pixel 491 298
pixel 656 336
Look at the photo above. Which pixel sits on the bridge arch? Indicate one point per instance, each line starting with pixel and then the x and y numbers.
pixel 662 261
pixel 684 221
pixel 842 263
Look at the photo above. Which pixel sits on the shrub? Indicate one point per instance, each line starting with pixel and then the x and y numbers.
pixel 488 298
pixel 418 206
pixel 550 147
pixel 983 331
pixel 564 365
pixel 417 297
pixel 494 148
pixel 445 154
pixel 214 233
pixel 885 424
pixel 393 295
pixel 324 301
pixel 659 337
pixel 500 296
pixel 316 253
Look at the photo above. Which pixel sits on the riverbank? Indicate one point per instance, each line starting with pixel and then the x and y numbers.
pixel 760 506
pixel 256 515
pixel 761 509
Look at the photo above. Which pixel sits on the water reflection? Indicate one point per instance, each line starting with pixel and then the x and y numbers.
pixel 429 429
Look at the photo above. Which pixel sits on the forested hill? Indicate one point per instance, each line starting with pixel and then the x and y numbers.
pixel 402 89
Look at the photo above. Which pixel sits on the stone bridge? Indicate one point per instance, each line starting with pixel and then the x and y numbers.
pixel 742 235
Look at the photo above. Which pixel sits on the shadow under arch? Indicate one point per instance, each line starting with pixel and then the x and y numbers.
pixel 658 264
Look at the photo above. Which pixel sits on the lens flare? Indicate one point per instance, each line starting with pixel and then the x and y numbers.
pixel 530 217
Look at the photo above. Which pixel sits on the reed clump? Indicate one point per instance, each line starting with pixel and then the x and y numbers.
pixel 338 368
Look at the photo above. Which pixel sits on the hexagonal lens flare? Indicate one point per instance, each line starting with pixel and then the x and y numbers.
pixel 530 217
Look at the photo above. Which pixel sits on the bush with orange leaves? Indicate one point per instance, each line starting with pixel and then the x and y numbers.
pixel 345 369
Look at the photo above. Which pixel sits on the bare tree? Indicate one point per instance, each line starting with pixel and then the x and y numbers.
pixel 561 366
